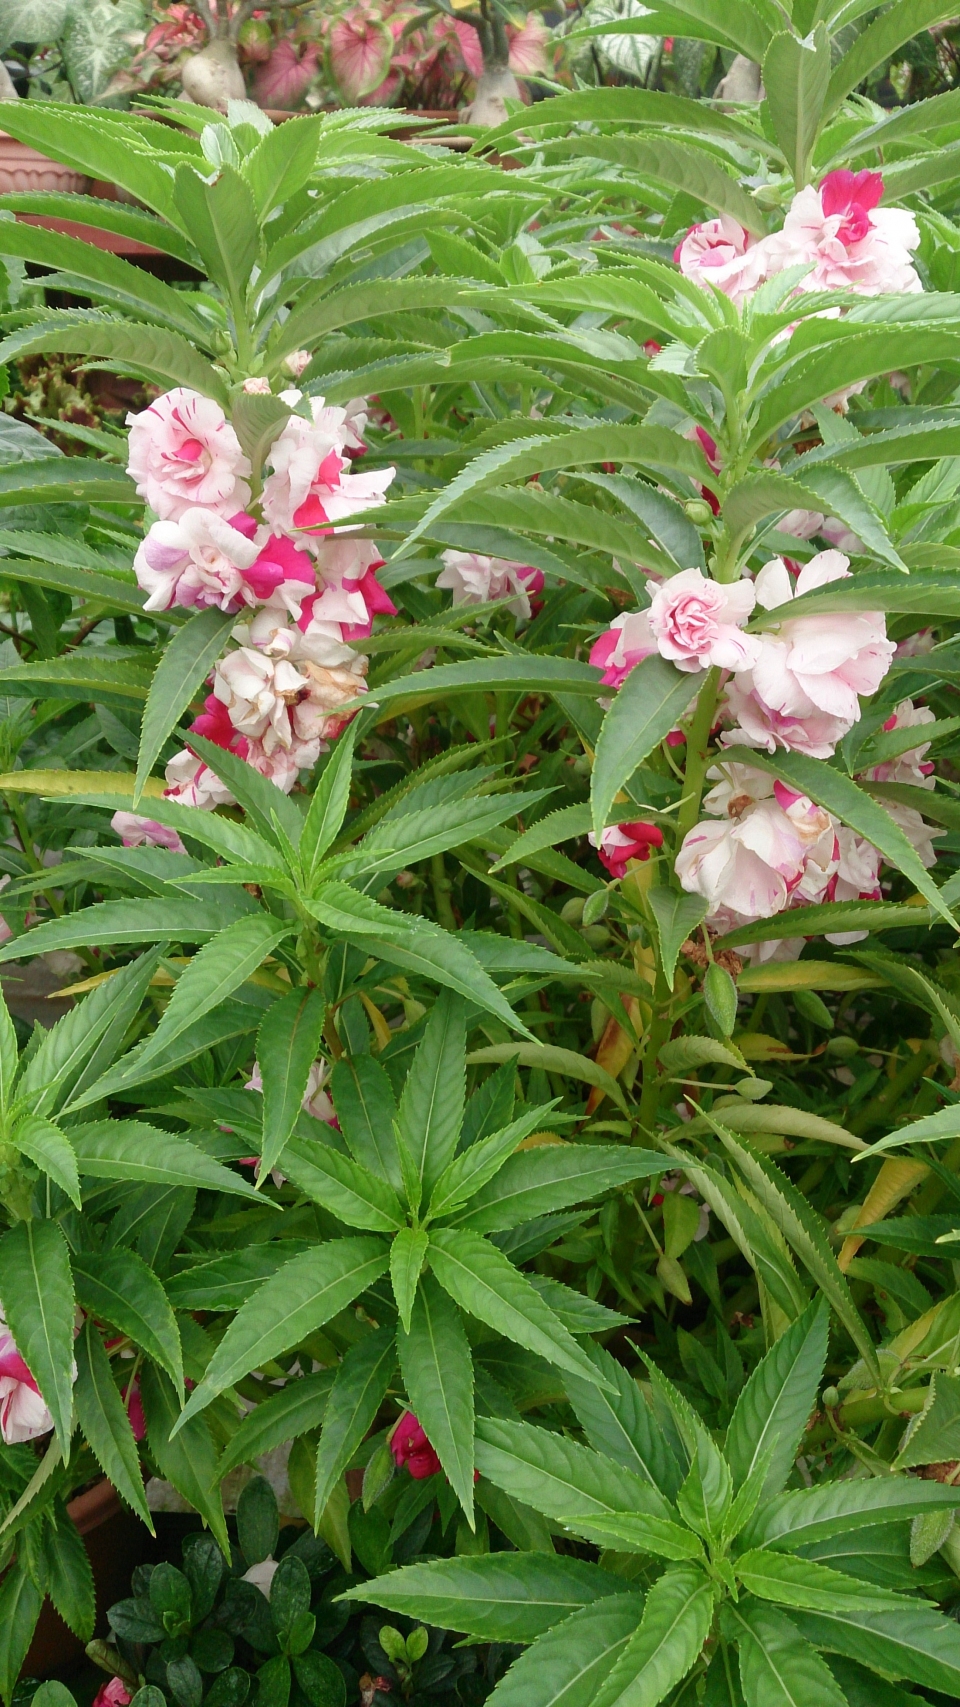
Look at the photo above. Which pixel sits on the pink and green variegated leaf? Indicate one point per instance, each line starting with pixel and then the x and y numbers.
pixel 360 51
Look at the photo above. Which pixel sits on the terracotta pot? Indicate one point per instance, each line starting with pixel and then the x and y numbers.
pixel 116 1541
pixel 23 169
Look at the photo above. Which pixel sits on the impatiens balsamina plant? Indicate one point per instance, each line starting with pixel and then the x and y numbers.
pixel 729 1579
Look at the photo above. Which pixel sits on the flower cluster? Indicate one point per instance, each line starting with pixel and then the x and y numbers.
pixel 305 590
pixel 838 232
pixel 477 580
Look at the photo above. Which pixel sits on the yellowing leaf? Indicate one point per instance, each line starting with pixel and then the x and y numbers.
pixel 895 1181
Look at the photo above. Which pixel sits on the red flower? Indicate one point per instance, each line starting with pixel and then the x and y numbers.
pixel 411 1447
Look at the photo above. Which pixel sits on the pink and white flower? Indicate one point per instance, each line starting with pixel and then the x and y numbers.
pixel 192 783
pixel 772 845
pixel 113 1693
pixel 912 767
pixel 475 580
pixel 693 621
pixel 284 710
pixel 23 1412
pixel 136 832
pixel 624 645
pixel 848 241
pixel 183 452
pixel 812 667
pixel 721 253
pixel 697 623
pixel 622 842
pixel 200 560
pixel 315 1101
pixel 310 487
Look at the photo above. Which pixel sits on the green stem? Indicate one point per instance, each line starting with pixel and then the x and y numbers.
pixel 879 1107
pixel 698 739
pixel 661 1026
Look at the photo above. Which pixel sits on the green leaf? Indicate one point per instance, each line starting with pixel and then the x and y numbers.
pixel 561 1479
pixel 416 945
pixel 676 917
pixel 343 1186
pixel 777 1666
pixel 651 447
pixel 804 1232
pixel 675 1624
pixel 287 1045
pixel 775 1405
pixel 432 1102
pixel 262 801
pixel 477 1164
pixel 187 1457
pixel 499 1597
pixel 915 1642
pixel 280 165
pixel 105 1423
pixel 437 1371
pixel 221 219
pixel 45 1145
pixel 796 71
pixel 552 1059
pixel 230 1279
pixel 296 1410
pixel 65 1569
pixel 187 660
pixel 117 1286
pixel 215 971
pixel 521 676
pixel 222 1025
pixel 839 794
pixel 36 1291
pixel 328 805
pixel 551 1177
pixel 485 1283
pixel 110 590
pixel 808 1586
pixel 300 1298
pixel 125 283
pixel 806 1516
pixel 87 1036
pixel 20 1603
pixel 162 357
pixel 355 1398
pixel 619 1423
pixel 648 705
pixel 9 1056
pixel 689 170
pixel 631 1532
pixel 566 1666
pixel 121 922
pixel 82 676
pixel 366 1109
pixel 132 1150
pixel 407 1254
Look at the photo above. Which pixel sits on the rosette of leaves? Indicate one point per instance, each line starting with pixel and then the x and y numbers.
pixel 715 1573
pixel 437 1189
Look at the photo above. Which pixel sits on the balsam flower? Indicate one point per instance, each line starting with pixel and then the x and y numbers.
pixel 622 842
pixel 475 580
pixel 183 452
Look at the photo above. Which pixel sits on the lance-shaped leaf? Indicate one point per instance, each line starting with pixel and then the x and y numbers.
pixel 88 1035
pixel 328 807
pixel 417 945
pixel 485 1283
pixel 551 1177
pixel 9 1056
pixel 20 1604
pixel 43 1143
pixel 296 1409
pixel 262 801
pixel 185 1454
pixel 296 1301
pixel 407 1255
pixel 809 1586
pixel 356 1396
pixel 160 356
pixel 36 1292
pixel 521 676
pixel 117 1286
pixel 798 70
pixel 105 1423
pixel 186 663
pixel 132 1150
pixel 477 1164
pixel 230 1279
pixel 567 1665
pixel 499 1597
pixel 805 1234
pixel 675 1624
pixel 916 1642
pixel 110 922
pixel 619 1423
pixel 648 705
pixel 561 1479
pixel 345 1187
pixel 806 1516
pixel 287 1046
pixel 218 969
pixel 437 1370
pixel 366 1109
pixel 777 1665
pixel 431 1106
pixel 676 917
pixel 839 794
pixel 775 1405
